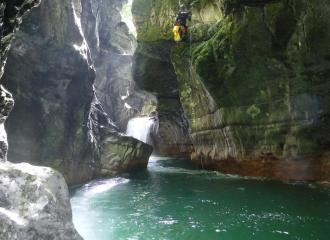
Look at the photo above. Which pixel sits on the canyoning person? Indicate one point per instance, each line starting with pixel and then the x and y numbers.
pixel 181 19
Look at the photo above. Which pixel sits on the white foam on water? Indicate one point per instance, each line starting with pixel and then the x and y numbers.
pixel 96 187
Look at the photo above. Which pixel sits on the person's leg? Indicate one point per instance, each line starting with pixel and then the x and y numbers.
pixel 185 30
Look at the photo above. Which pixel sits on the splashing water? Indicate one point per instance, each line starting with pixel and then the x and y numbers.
pixel 140 128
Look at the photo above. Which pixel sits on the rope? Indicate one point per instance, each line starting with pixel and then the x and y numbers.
pixel 192 106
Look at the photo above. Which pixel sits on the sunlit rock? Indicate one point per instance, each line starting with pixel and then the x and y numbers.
pixel 116 153
pixel 51 75
pixel 112 46
pixel 6 105
pixel 34 204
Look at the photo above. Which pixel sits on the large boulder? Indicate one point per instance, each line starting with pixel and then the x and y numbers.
pixel 116 152
pixel 34 204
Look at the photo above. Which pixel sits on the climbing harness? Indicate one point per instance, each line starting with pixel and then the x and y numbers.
pixel 192 105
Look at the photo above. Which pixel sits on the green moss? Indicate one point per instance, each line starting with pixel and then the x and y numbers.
pixel 252 67
pixel 253 111
pixel 57 162
pixel 31 178
pixel 197 4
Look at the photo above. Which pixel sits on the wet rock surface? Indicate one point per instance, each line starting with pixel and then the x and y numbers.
pixel 11 13
pixel 34 201
pixel 51 75
pixel 113 47
pixel 154 72
pixel 259 84
pixel 34 204
pixel 132 85
pixel 268 124
pixel 6 105
pixel 122 154
pixel 116 152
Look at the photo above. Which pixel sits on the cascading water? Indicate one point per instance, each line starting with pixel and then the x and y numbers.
pixel 140 128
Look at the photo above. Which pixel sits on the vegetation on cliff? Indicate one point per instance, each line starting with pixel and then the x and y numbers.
pixel 260 85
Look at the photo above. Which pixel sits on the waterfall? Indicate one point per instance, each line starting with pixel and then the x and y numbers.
pixel 140 128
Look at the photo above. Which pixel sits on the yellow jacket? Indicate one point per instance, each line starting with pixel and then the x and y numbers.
pixel 176 32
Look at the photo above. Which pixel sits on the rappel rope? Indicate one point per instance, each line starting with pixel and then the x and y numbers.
pixel 192 105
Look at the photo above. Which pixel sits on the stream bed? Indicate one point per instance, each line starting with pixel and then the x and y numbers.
pixel 173 199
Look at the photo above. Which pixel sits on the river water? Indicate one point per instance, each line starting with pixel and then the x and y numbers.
pixel 173 199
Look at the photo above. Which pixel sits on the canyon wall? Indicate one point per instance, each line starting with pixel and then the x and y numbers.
pixel 121 68
pixel 58 120
pixel 34 201
pixel 259 83
pixel 154 72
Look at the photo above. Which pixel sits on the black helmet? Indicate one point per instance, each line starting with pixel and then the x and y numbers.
pixel 181 6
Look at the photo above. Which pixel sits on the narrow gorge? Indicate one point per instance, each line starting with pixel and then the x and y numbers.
pixel 100 98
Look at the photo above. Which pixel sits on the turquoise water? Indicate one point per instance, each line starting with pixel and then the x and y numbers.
pixel 173 199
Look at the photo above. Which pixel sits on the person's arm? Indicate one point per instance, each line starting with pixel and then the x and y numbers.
pixel 189 16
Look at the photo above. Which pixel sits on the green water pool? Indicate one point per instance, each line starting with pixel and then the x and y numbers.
pixel 173 199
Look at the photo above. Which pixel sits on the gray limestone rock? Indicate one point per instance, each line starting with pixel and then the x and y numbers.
pixel 153 72
pixel 34 204
pixel 6 105
pixel 50 72
pixel 11 13
pixel 117 153
pixel 112 48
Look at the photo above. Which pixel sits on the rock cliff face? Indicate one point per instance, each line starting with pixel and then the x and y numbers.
pixel 11 13
pixel 120 78
pixel 34 201
pixel 58 121
pixel 154 72
pixel 112 50
pixel 259 84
